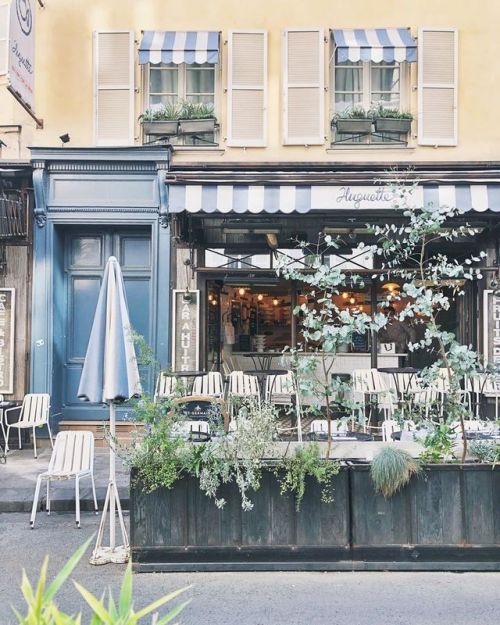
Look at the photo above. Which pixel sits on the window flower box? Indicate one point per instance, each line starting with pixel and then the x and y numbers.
pixel 196 126
pixel 354 126
pixel 165 128
pixel 390 124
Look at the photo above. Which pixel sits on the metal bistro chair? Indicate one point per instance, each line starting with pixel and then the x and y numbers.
pixel 242 386
pixel 34 413
pixel 209 384
pixel 366 385
pixel 72 458
pixel 281 390
pixel 479 386
pixel 169 386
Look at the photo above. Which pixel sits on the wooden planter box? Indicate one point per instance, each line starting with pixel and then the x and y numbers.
pixel 160 129
pixel 447 519
pixel 196 126
pixel 354 126
pixel 388 124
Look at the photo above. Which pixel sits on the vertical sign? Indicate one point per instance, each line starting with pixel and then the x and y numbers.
pixel 21 62
pixel 7 315
pixel 491 331
pixel 186 331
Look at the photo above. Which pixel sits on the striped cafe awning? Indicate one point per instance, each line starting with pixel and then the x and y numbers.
pixel 226 198
pixel 180 46
pixel 375 44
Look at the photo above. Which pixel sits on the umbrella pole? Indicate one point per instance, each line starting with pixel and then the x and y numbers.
pixel 120 554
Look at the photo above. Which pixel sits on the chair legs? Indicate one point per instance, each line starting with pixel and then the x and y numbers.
pixel 50 435
pixel 48 496
pixel 77 501
pixel 93 493
pixel 34 443
pixel 35 501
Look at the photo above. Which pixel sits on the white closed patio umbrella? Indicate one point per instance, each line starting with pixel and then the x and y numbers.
pixel 110 375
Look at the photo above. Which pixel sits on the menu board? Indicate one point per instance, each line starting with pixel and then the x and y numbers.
pixel 186 330
pixel 491 331
pixel 7 315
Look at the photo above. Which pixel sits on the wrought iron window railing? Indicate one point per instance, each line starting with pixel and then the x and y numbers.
pixel 13 218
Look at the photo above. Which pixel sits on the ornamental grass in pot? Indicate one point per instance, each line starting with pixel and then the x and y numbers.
pixel 161 119
pixel 392 120
pixel 196 118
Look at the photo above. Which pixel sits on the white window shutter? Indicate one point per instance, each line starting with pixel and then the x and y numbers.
pixel 247 88
pixel 303 87
pixel 437 86
pixel 4 36
pixel 114 87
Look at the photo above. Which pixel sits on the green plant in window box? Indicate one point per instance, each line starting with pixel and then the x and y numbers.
pixel 161 119
pixel 196 118
pixel 354 120
pixel 392 120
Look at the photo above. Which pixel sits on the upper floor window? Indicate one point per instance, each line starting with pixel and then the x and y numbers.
pixel 171 84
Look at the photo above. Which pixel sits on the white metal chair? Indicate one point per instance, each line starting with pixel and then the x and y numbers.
pixel 168 386
pixel 72 458
pixel 281 390
pixel 209 384
pixel 242 386
pixel 34 412
pixel 191 429
pixel 368 384
pixel 389 426
pixel 319 426
pixel 481 384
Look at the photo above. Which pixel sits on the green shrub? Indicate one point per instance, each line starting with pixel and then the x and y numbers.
pixel 391 469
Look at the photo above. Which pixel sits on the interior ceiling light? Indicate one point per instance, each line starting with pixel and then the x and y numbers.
pixel 260 297
pixel 272 240
pixel 241 291
pixel 275 301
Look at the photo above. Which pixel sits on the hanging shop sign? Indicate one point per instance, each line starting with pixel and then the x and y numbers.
pixel 491 331
pixel 21 58
pixel 7 316
pixel 186 330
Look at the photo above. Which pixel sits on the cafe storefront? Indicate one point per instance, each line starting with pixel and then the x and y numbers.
pixel 229 228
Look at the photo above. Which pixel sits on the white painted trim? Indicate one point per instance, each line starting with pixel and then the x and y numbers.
pixel 9 389
pixel 174 323
pixel 247 143
pixel 130 87
pixel 436 141
pixel 320 139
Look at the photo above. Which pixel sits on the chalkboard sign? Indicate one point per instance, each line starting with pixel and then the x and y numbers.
pixel 7 315
pixel 201 408
pixel 186 330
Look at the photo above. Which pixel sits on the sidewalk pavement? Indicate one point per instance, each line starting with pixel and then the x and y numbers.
pixel 18 477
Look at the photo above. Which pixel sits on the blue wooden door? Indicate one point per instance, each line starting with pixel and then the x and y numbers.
pixel 85 259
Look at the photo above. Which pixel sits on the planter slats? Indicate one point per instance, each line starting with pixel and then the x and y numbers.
pixel 446 519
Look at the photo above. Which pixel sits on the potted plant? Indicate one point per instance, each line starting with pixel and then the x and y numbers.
pixel 161 120
pixel 392 120
pixel 196 118
pixel 353 121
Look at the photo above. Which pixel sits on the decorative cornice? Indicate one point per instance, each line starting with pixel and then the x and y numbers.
pixel 100 209
pixel 102 168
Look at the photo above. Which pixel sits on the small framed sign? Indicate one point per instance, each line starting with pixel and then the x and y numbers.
pixel 7 336
pixel 186 330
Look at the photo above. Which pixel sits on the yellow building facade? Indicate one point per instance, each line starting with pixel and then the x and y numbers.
pixel 65 73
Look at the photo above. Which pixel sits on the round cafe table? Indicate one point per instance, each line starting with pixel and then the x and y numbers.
pixel 188 375
pixel 262 360
pixel 262 374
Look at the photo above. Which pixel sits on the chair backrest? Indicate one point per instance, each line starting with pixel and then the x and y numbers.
pixel 35 409
pixel 209 384
pixel 482 383
pixel 321 425
pixel 389 426
pixel 242 384
pixel 368 381
pixel 442 381
pixel 73 452
pixel 280 386
pixel 167 386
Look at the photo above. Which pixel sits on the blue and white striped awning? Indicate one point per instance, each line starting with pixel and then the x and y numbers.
pixel 375 44
pixel 287 199
pixel 180 46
